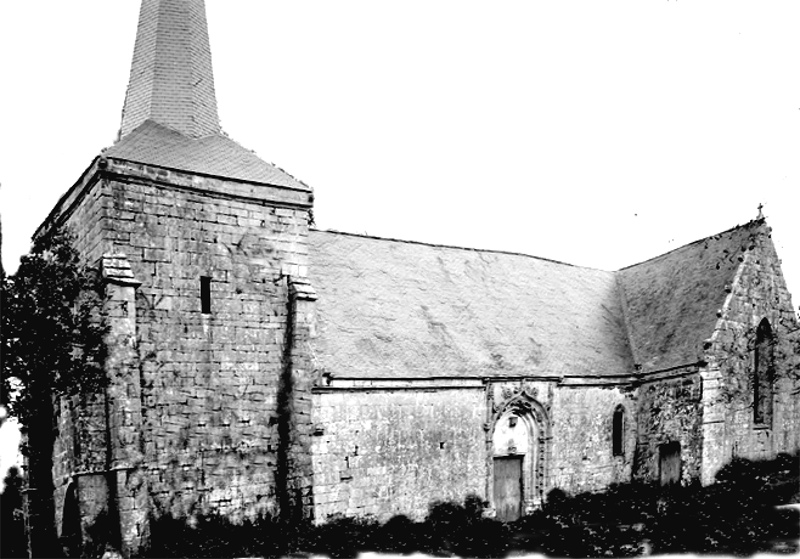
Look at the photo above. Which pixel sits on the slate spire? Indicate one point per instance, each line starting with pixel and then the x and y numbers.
pixel 172 81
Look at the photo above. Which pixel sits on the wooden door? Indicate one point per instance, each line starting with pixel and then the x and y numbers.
pixel 508 487
pixel 669 463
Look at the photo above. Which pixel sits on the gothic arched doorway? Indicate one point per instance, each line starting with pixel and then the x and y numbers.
pixel 518 457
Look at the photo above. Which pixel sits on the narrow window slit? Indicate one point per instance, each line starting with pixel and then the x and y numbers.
pixel 205 294
pixel 618 432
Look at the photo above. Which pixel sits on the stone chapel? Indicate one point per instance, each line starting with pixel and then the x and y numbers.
pixel 260 366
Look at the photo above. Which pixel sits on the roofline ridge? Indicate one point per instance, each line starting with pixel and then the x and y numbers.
pixel 456 247
pixel 751 223
pixel 626 321
pixel 254 152
pixel 220 136
pixel 726 303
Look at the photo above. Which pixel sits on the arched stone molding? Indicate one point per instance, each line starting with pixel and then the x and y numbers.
pixel 763 375
pixel 535 449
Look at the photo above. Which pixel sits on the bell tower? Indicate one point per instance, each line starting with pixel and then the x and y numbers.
pixel 203 247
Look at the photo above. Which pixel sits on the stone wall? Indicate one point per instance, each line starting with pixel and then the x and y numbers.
pixel 758 292
pixel 196 416
pixel 394 451
pixel 210 381
pixel 582 419
pixel 669 411
pixel 80 452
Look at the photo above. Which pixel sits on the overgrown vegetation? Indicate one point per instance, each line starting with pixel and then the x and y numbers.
pixel 736 516
pixel 51 346
pixel 449 529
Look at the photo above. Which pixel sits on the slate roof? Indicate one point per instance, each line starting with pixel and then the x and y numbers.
pixel 671 301
pixel 171 79
pixel 154 144
pixel 391 308
pixel 170 115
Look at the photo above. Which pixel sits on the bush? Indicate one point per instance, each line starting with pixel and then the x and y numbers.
pixel 453 528
pixel 344 537
pixel 398 535
pixel 734 516
pixel 215 536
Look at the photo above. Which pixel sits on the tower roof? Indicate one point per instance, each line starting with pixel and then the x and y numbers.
pixel 172 81
pixel 170 114
pixel 215 155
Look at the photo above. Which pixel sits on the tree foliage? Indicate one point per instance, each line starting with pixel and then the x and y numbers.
pixel 52 346
pixel 51 328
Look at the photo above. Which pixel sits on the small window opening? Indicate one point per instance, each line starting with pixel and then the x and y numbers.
pixel 205 294
pixel 618 432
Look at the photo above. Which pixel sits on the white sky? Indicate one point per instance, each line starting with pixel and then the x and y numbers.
pixel 596 133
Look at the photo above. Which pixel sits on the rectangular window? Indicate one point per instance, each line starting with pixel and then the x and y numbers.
pixel 205 294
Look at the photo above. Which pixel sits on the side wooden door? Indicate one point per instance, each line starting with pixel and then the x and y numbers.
pixel 669 463
pixel 508 487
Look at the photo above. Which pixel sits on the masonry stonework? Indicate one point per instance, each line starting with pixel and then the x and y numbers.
pixel 189 423
pixel 390 451
pixel 211 380
pixel 669 411
pixel 582 447
pixel 758 292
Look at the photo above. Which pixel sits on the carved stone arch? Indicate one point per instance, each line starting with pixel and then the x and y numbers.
pixel 522 408
pixel 524 403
